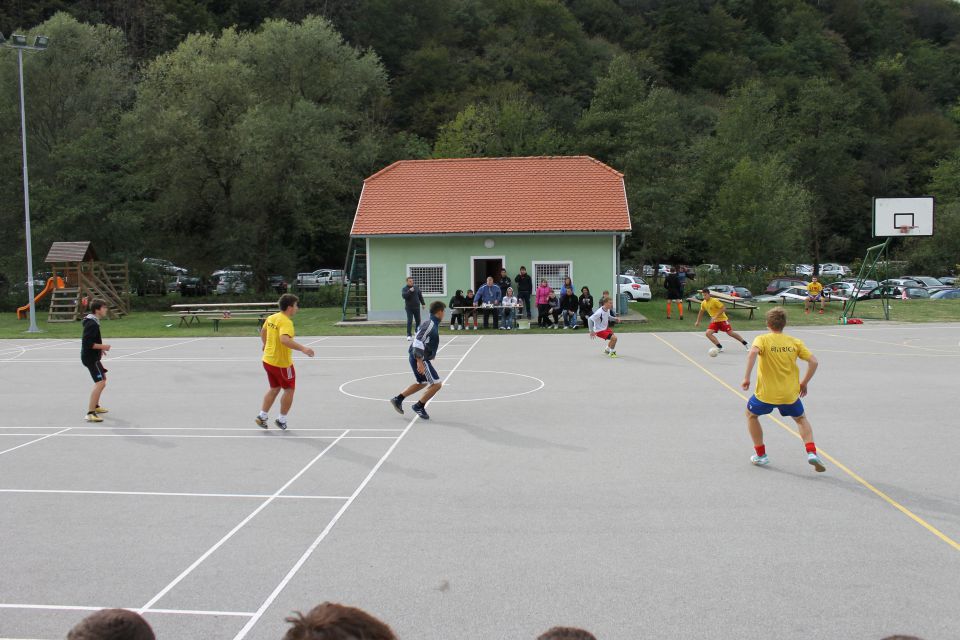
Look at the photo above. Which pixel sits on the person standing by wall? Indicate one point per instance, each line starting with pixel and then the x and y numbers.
pixel 413 302
pixel 504 282
pixel 525 290
pixel 543 304
pixel 585 304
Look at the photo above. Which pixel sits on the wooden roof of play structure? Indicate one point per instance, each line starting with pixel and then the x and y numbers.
pixel 71 252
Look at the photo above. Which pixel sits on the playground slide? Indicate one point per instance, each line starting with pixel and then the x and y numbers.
pixel 52 283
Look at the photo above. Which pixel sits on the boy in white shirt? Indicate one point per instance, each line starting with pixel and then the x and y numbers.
pixel 600 327
pixel 509 304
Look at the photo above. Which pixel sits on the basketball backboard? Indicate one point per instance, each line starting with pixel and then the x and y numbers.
pixel 902 216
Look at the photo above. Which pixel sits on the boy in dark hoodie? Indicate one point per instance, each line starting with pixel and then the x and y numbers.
pixel 457 302
pixel 91 350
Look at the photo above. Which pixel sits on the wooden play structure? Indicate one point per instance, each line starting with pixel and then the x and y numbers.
pixel 84 278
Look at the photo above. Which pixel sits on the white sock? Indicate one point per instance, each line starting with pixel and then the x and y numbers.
pixel 282 418
pixel 264 415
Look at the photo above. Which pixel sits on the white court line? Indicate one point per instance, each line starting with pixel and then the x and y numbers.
pixel 185 612
pixel 166 346
pixel 27 444
pixel 163 494
pixel 240 525
pixel 310 344
pixel 298 429
pixel 343 509
pixel 110 428
pixel 298 360
pixel 262 436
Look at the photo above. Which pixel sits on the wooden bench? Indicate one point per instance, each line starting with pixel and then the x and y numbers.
pixel 729 301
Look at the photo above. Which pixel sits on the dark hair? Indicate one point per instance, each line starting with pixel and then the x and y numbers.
pixel 567 633
pixel 582 289
pixel 459 292
pixel 96 304
pixel 436 305
pixel 329 621
pixel 777 318
pixel 523 268
pixel 287 300
pixel 112 624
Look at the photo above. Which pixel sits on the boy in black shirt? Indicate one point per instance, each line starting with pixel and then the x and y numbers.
pixel 91 350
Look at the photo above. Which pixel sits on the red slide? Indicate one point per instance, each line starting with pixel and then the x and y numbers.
pixel 52 283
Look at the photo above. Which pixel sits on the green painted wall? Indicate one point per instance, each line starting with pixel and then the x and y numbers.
pixel 593 258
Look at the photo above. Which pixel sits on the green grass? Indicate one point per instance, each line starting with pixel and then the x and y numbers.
pixel 321 321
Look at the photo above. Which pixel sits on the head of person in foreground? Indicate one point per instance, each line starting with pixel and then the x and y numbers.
pixel 330 621
pixel 112 624
pixel 566 633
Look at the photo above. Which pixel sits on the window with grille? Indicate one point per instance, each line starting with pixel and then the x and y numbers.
pixel 431 278
pixel 553 272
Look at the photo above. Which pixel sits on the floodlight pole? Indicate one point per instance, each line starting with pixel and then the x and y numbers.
pixel 26 199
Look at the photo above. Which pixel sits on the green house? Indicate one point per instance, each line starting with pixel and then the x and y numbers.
pixel 451 223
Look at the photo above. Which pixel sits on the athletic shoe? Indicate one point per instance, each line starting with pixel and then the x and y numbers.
pixel 280 425
pixel 397 403
pixel 815 460
pixel 93 417
pixel 100 409
pixel 262 422
pixel 421 411
pixel 613 354
pixel 409 338
pixel 760 461
pixel 607 350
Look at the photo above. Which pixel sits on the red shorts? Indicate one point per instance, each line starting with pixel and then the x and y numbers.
pixel 723 327
pixel 285 378
pixel 605 334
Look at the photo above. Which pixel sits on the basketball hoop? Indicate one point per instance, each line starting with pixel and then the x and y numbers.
pixel 905 229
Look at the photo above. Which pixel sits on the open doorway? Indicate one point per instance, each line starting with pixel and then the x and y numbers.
pixel 486 267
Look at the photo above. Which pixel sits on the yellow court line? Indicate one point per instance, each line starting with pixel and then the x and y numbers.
pixel 896 505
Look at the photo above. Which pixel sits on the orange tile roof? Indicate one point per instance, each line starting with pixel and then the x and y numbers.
pixel 492 195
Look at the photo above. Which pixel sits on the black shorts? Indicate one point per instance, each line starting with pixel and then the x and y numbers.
pixel 97 371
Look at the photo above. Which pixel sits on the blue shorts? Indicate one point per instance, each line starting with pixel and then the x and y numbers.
pixel 758 408
pixel 430 375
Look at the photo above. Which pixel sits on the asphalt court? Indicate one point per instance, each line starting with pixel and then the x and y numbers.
pixel 552 486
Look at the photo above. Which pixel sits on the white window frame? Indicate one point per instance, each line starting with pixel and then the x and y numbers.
pixel 442 267
pixel 537 278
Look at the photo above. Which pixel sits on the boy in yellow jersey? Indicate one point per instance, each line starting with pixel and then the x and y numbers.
pixel 779 385
pixel 718 320
pixel 814 295
pixel 277 341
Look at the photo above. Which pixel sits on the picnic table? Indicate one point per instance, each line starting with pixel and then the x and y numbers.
pixel 731 302
pixel 222 311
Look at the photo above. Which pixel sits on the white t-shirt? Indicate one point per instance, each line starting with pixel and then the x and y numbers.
pixel 509 301
pixel 600 320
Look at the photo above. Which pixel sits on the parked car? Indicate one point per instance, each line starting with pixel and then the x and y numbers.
pixel 278 284
pixel 848 289
pixel 946 294
pixel 833 270
pixel 779 284
pixel 927 282
pixel 320 278
pixel 634 286
pixel 244 269
pixel 886 290
pixel 731 290
pixel 948 280
pixel 192 286
pixel 708 268
pixel 163 266
pixel 790 295
pixel 231 282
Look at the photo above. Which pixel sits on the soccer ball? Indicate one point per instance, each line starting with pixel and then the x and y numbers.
pixel 713 352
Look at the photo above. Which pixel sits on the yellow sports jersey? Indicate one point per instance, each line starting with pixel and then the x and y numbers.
pixel 814 288
pixel 712 307
pixel 778 376
pixel 274 353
